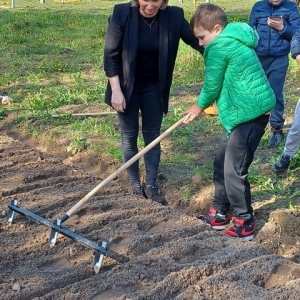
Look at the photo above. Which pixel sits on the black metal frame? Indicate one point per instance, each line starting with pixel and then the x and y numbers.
pixel 100 248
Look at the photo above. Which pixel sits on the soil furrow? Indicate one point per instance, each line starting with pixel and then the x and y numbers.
pixel 154 251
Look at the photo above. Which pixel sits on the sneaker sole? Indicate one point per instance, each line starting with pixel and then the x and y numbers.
pixel 219 227
pixel 245 238
pixel 161 202
pixel 248 238
pixel 279 172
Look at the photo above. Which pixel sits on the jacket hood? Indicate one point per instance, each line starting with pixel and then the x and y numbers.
pixel 241 32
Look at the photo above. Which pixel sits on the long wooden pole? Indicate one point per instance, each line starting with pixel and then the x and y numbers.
pixel 121 169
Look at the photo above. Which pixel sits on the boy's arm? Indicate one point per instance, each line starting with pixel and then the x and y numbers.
pixel 292 25
pixel 215 66
pixel 295 46
pixel 298 59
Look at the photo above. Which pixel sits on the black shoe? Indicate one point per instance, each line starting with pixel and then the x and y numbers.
pixel 153 193
pixel 276 136
pixel 282 165
pixel 138 190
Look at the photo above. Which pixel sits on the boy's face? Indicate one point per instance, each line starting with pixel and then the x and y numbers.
pixel 275 2
pixel 205 36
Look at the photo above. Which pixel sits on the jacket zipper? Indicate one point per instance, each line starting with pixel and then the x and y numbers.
pixel 270 29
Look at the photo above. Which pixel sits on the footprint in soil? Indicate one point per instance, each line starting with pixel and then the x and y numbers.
pixel 120 243
pixel 168 224
pixel 54 265
pixel 281 276
pixel 116 293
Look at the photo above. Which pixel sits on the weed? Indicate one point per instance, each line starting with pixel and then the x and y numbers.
pixel 77 145
pixel 113 149
pixel 289 203
pixel 205 172
pixel 186 192
pixel 296 193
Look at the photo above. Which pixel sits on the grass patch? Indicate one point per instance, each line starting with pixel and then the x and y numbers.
pixel 52 63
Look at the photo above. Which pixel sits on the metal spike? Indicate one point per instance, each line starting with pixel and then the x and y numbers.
pixel 54 233
pixel 99 257
pixel 11 213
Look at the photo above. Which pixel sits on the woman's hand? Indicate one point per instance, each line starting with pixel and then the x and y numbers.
pixel 192 113
pixel 118 102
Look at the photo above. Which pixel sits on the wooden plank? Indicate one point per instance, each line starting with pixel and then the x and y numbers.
pixel 84 114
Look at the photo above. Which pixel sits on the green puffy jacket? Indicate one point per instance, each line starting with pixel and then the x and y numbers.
pixel 234 77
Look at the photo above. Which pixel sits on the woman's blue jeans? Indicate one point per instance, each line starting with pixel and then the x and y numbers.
pixel 146 100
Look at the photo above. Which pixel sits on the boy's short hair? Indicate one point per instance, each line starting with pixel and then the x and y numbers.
pixel 163 5
pixel 208 15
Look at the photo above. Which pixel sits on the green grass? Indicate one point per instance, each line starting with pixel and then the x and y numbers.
pixel 52 62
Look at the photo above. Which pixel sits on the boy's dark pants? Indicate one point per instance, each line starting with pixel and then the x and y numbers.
pixel 233 158
pixel 275 68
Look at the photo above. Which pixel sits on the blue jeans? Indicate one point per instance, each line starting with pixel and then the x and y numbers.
pixel 275 68
pixel 232 161
pixel 145 98
pixel 293 138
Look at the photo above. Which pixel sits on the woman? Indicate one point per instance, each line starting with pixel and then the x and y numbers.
pixel 140 50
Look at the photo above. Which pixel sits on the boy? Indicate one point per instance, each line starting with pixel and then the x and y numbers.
pixel 293 137
pixel 234 79
pixel 275 22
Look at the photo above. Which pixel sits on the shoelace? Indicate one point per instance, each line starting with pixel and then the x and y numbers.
pixel 236 225
pixel 277 132
pixel 209 215
pixel 154 190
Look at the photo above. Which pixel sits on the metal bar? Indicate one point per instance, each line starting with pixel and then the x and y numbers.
pixel 64 231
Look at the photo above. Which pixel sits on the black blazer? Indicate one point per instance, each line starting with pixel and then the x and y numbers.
pixel 121 43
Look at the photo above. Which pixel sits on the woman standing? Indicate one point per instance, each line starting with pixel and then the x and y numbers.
pixel 140 50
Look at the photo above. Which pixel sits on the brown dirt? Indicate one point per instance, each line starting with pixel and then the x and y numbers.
pixel 171 254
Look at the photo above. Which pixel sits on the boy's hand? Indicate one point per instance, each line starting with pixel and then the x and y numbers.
pixel 298 59
pixel 192 113
pixel 276 24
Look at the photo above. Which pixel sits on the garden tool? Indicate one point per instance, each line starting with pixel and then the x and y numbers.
pixel 56 226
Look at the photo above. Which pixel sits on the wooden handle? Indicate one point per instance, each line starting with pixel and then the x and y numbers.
pixel 85 114
pixel 122 168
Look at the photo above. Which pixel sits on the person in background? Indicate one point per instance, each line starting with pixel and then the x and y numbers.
pixel 234 79
pixel 141 46
pixel 275 22
pixel 293 138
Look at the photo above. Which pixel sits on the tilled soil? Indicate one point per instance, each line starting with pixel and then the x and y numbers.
pixel 163 253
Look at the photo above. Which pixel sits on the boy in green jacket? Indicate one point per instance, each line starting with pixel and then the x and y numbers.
pixel 234 79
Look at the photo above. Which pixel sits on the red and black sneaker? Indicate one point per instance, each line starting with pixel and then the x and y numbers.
pixel 216 220
pixel 241 229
